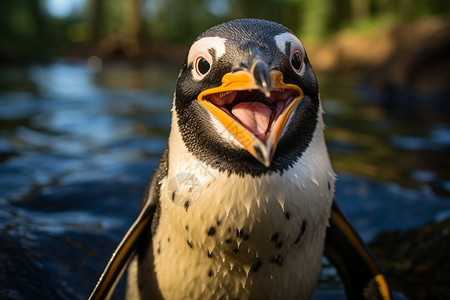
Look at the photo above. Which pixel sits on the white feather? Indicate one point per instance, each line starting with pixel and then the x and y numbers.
pixel 284 39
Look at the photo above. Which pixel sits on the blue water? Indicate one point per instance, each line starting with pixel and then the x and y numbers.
pixel 77 148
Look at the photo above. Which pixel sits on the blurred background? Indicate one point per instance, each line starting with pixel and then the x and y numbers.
pixel 85 97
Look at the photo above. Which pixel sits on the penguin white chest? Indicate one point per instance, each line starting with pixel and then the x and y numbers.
pixel 241 237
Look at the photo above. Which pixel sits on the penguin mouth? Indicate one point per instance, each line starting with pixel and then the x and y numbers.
pixel 254 116
pixel 252 109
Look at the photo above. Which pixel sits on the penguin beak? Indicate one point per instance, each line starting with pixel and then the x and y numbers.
pixel 254 106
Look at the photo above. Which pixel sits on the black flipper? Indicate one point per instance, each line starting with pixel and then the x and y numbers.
pixel 354 261
pixel 134 237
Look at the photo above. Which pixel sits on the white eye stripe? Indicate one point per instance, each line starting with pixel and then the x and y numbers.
pixel 201 49
pixel 285 39
pixel 282 39
pixel 204 44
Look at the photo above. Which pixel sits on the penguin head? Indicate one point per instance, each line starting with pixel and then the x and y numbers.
pixel 247 98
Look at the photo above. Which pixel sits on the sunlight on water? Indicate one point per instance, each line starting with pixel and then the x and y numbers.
pixel 78 147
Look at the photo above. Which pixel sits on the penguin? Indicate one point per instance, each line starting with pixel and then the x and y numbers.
pixel 241 204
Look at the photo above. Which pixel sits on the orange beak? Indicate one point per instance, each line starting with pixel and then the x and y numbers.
pixel 255 113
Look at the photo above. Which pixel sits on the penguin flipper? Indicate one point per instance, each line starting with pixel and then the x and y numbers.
pixel 353 260
pixel 128 246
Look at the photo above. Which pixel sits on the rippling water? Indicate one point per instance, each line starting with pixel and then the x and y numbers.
pixel 77 148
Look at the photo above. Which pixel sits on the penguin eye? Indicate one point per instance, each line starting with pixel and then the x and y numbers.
pixel 202 66
pixel 296 61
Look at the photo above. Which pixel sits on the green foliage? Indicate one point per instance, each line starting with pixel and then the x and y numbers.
pixel 29 31
pixel 18 32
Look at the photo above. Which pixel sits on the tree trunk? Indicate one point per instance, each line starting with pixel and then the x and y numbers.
pixel 129 34
pixel 96 20
pixel 360 9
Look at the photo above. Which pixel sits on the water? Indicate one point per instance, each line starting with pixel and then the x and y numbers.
pixel 77 148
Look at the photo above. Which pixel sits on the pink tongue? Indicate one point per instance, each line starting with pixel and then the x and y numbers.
pixel 255 116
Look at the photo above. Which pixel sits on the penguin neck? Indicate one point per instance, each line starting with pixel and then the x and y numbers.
pixel 312 165
pixel 312 173
pixel 184 155
pixel 204 137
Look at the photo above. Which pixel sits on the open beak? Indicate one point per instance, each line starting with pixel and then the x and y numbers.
pixel 254 107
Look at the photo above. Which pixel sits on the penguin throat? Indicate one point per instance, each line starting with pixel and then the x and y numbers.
pixel 253 109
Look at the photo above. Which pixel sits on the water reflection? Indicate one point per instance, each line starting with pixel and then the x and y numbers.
pixel 368 141
pixel 77 147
